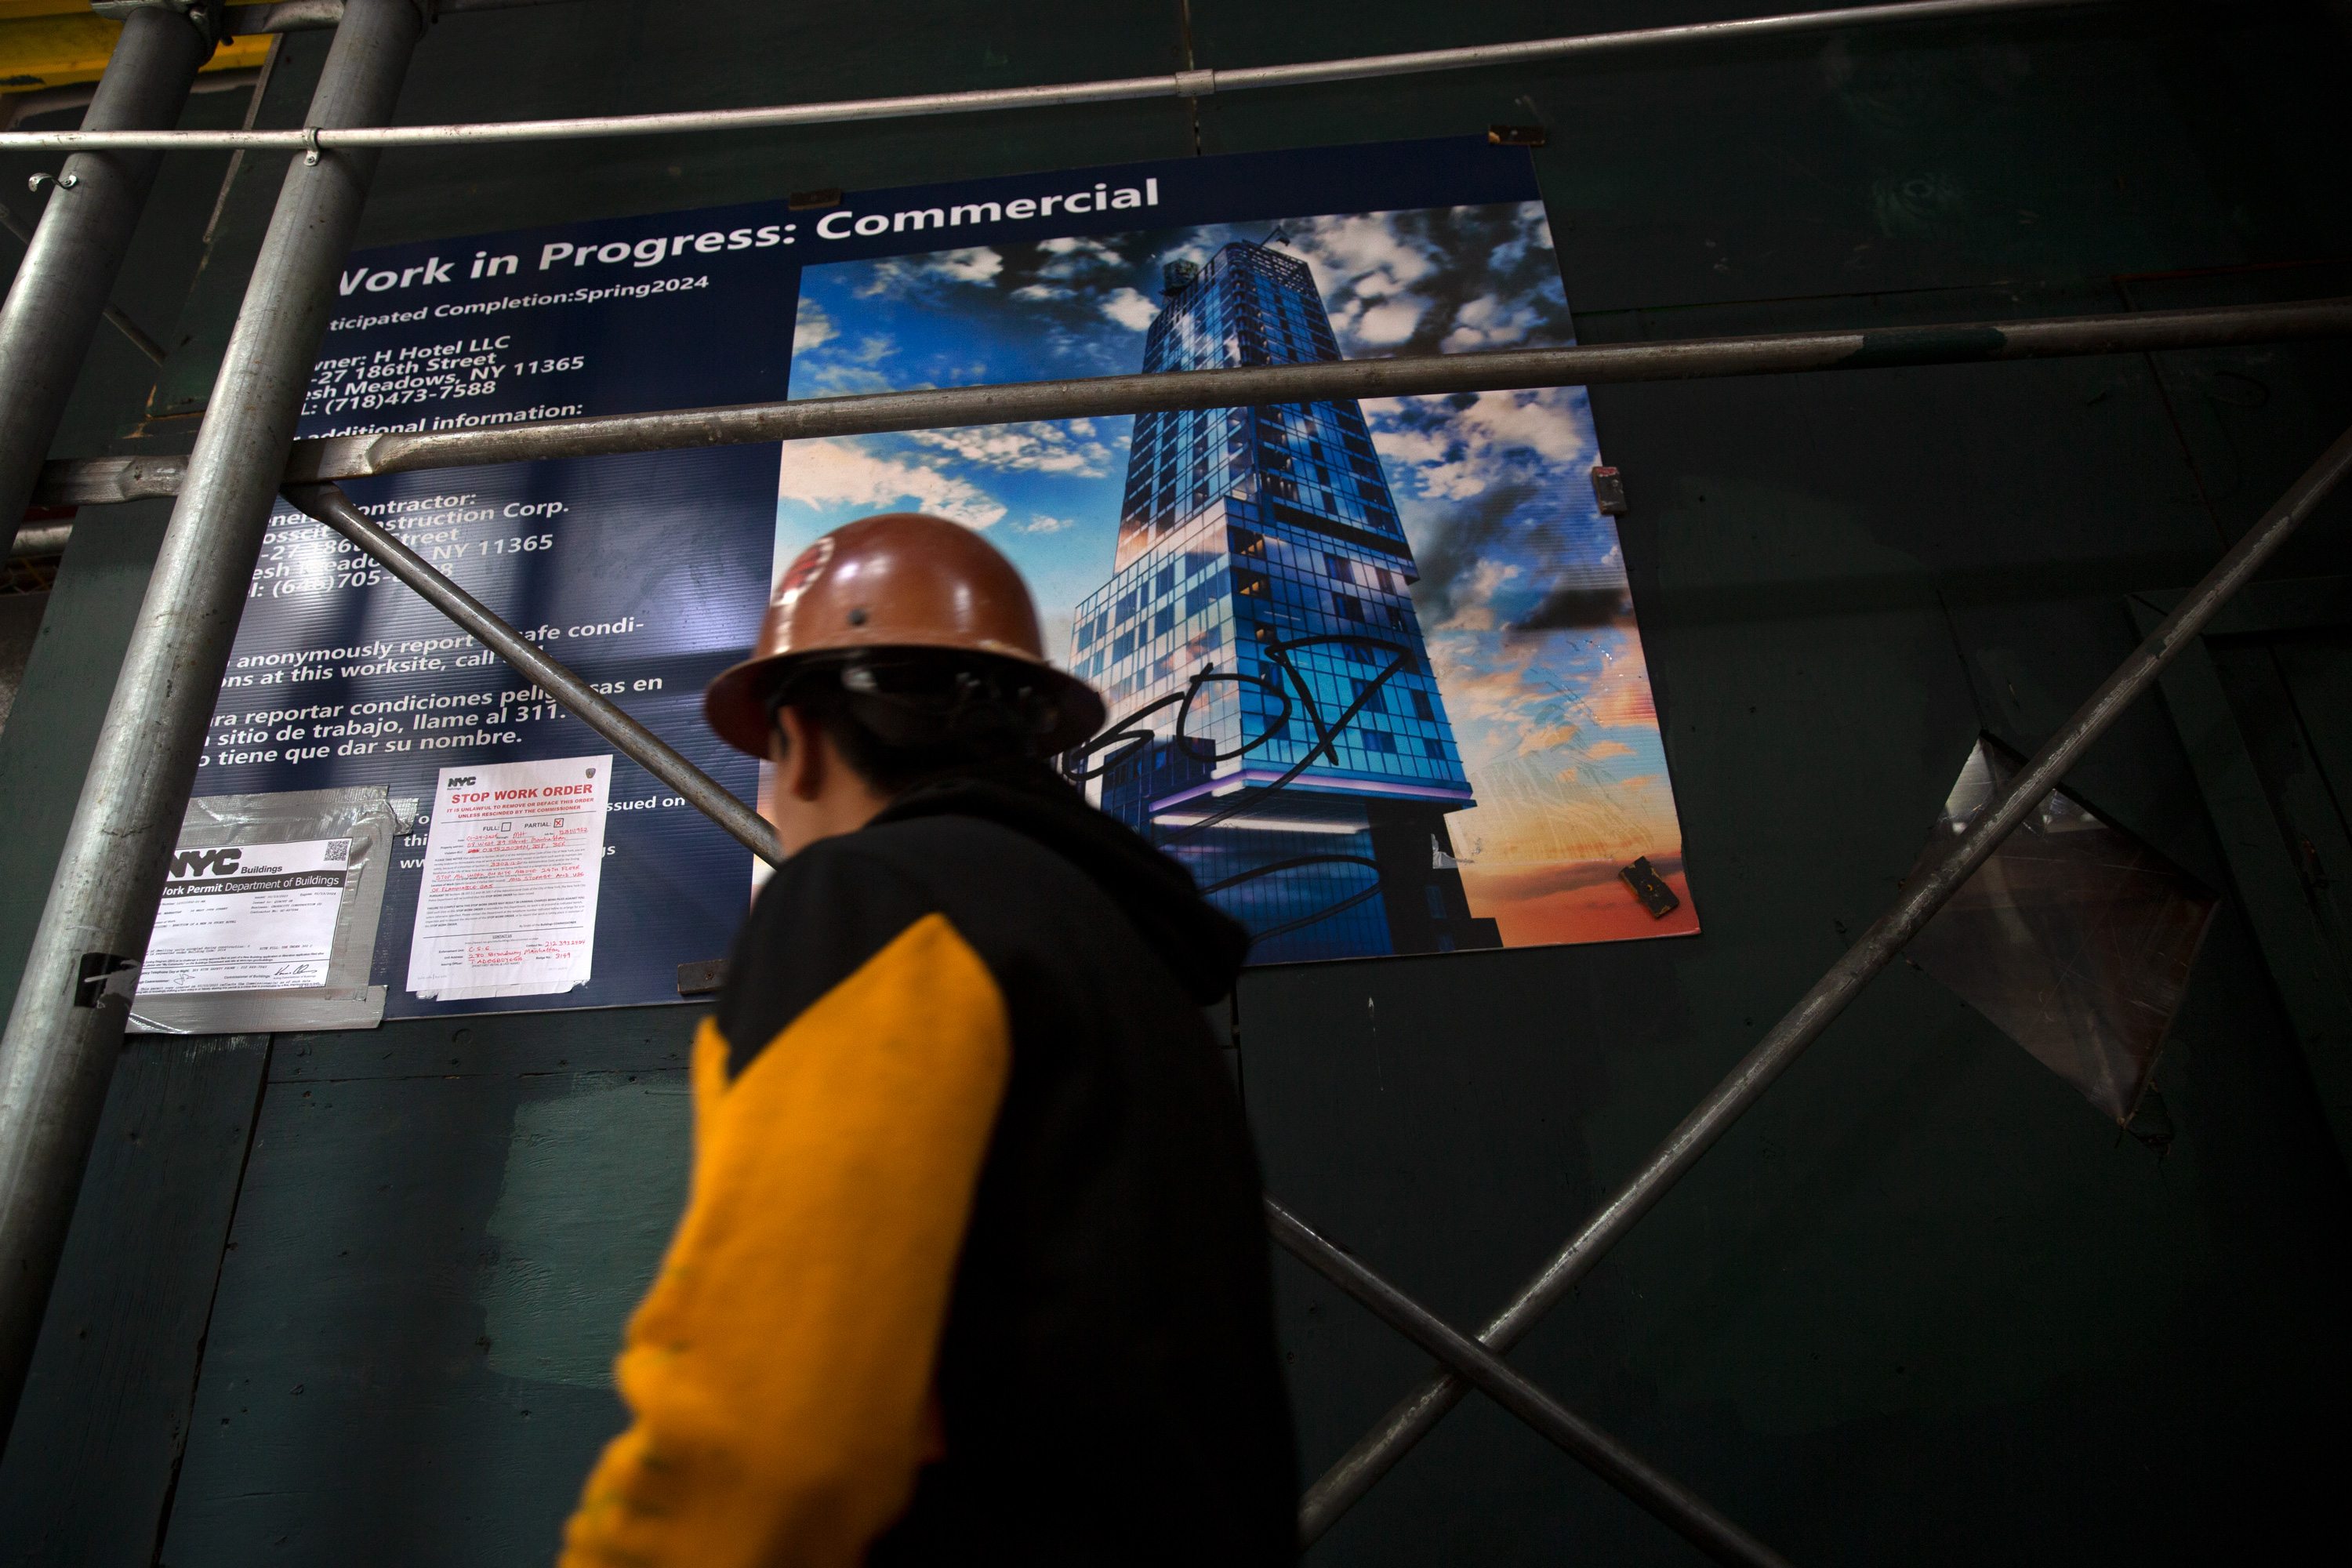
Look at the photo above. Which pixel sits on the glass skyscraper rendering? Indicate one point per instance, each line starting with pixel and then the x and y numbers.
pixel 1276 724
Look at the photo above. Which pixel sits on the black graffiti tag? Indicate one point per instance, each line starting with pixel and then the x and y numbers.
pixel 1132 740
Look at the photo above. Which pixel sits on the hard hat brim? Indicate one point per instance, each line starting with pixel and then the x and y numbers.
pixel 735 704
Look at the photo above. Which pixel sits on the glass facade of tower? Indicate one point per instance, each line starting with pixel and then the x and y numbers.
pixel 1286 739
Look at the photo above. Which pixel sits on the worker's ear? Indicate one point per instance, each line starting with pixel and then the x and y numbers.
pixel 801 772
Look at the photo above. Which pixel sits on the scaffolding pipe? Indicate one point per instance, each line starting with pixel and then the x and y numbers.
pixel 103 480
pixel 66 1030
pixel 331 506
pixel 1404 1426
pixel 76 250
pixel 35 539
pixel 1181 84
pixel 1673 1504
pixel 312 16
pixel 285 16
pixel 121 323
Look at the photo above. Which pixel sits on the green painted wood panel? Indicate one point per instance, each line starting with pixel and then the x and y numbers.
pixel 105 1412
pixel 2248 418
pixel 1899 1308
pixel 53 727
pixel 2317 670
pixel 2063 145
pixel 441 1234
pixel 2280 829
pixel 1913 1305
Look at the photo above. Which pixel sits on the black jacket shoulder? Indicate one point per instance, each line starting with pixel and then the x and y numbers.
pixel 1040 923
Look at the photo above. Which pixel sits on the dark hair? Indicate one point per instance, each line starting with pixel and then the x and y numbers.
pixel 901 718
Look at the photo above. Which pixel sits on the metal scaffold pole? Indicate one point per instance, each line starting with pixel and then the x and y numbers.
pixel 331 506
pixel 72 258
pixel 66 1026
pixel 98 480
pixel 1179 84
pixel 1668 1500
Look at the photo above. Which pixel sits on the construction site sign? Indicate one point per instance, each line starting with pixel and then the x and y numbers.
pixel 1374 670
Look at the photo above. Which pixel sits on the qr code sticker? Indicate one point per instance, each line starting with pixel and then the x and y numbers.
pixel 338 851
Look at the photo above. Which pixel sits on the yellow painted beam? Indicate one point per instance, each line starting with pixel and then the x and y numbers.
pixel 52 43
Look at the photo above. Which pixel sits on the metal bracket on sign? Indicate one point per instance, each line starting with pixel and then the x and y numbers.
pixel 1608 489
pixel 1650 888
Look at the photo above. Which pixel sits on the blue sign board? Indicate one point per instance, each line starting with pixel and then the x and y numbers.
pixel 1465 530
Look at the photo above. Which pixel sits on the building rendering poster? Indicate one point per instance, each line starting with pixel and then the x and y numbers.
pixel 1374 669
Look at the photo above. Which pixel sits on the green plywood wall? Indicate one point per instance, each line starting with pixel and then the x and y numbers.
pixel 1923 1304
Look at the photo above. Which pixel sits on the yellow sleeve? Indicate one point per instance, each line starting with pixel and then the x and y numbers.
pixel 781 1369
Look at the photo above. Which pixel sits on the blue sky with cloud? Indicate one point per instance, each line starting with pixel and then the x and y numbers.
pixel 1523 594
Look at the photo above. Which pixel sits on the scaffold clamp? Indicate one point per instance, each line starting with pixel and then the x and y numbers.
pixel 208 16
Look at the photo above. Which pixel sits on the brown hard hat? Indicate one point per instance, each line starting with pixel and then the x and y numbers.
pixel 900 581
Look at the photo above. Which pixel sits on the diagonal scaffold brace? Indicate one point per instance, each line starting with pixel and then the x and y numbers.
pixel 1414 1418
pixel 1672 1503
pixel 330 505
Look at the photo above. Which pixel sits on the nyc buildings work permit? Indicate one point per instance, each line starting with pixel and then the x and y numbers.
pixel 247 917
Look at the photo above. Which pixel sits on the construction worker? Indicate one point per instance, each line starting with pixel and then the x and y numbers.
pixel 973 1269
